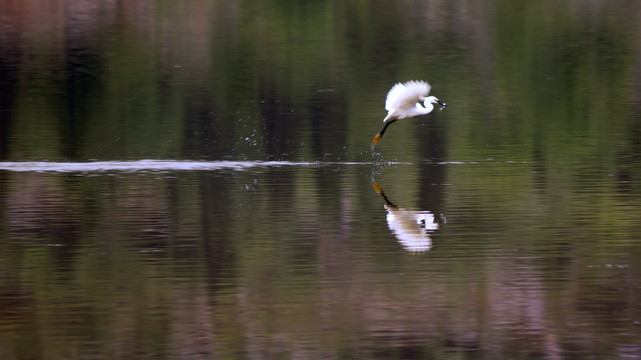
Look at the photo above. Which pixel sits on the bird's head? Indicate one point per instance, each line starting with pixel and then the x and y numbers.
pixel 434 100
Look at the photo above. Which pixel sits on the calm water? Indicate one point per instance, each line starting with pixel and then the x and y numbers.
pixel 194 180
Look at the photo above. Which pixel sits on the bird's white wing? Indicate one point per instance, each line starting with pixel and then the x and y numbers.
pixel 408 93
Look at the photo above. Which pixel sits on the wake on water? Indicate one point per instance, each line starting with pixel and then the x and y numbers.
pixel 167 165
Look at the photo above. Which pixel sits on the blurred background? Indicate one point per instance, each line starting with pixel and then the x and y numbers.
pixel 505 226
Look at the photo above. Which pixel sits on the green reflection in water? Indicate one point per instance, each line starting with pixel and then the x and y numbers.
pixel 534 163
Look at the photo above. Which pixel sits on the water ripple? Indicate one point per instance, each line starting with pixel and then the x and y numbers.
pixel 165 165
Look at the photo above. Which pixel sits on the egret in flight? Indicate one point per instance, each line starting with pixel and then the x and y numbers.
pixel 407 100
pixel 412 228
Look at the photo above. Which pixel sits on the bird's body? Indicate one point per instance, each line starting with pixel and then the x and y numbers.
pixel 407 100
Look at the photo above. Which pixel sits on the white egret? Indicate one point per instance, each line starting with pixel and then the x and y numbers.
pixel 407 100
pixel 412 228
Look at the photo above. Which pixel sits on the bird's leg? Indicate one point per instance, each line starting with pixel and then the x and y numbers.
pixel 378 136
pixel 379 191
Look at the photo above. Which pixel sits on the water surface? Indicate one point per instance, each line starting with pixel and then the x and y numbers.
pixel 195 180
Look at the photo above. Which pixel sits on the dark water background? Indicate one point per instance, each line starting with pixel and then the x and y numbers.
pixel 194 180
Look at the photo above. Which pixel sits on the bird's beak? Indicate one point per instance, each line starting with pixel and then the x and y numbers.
pixel 441 103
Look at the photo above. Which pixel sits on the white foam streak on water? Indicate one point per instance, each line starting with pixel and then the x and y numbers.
pixel 161 165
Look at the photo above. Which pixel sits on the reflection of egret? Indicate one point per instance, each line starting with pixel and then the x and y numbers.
pixel 412 228
pixel 404 100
